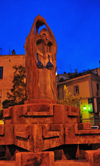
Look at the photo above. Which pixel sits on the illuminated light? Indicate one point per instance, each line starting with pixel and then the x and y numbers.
pixel 84 107
pixel 90 108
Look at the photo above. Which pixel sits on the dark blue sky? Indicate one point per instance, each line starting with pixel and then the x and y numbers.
pixel 75 24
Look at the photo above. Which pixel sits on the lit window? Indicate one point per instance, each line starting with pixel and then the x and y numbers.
pixel 1 72
pixel 76 90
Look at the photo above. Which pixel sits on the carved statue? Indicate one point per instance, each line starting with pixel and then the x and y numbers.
pixel 41 51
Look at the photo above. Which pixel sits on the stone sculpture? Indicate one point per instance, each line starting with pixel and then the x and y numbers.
pixel 41 51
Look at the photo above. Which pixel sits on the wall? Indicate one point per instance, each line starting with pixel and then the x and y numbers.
pixel 8 61
pixel 84 93
pixel 60 92
pixel 94 85
pixel 86 111
pixel 84 90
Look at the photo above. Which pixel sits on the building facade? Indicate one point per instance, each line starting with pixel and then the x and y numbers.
pixel 87 87
pixel 6 73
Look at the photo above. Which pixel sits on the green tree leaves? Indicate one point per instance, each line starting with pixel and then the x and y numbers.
pixel 18 92
pixel 69 99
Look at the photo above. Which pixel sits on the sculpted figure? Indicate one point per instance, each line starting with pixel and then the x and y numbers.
pixel 40 52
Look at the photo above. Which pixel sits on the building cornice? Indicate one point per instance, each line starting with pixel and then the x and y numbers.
pixel 11 56
pixel 81 79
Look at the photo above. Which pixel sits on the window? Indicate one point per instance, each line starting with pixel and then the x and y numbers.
pixel 98 88
pixel 1 72
pixel 76 90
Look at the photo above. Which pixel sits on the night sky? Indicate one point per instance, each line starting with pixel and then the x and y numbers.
pixel 75 24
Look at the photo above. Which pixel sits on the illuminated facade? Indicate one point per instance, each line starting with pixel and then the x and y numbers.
pixel 6 73
pixel 87 86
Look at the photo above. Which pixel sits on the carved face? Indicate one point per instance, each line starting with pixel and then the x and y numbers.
pixel 44 44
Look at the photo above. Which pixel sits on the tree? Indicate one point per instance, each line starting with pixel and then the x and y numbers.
pixel 69 99
pixel 18 92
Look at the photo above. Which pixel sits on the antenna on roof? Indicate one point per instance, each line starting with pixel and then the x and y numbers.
pixel 0 51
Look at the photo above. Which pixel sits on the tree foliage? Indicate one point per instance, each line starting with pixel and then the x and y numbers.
pixel 69 99
pixel 18 92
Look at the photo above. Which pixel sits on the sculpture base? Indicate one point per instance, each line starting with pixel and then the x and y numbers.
pixel 38 127
pixel 41 101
